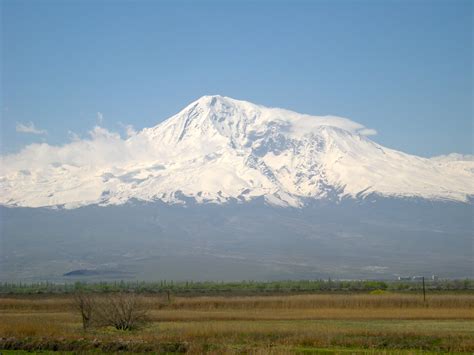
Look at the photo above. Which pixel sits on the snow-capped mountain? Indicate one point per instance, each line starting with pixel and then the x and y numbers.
pixel 219 149
pixel 198 182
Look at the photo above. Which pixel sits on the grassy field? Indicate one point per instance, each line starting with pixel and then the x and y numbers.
pixel 322 323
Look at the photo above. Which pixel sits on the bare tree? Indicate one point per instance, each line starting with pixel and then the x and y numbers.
pixel 85 304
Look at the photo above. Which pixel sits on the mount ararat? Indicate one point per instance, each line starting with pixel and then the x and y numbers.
pixel 229 190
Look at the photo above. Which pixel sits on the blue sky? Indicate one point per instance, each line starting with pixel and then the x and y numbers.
pixel 403 68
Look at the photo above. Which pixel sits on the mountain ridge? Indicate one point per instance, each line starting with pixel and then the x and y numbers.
pixel 219 149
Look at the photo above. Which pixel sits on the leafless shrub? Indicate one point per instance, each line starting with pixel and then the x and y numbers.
pixel 120 310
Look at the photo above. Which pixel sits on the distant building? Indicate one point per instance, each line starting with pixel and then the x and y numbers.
pixel 415 278
pixel 404 278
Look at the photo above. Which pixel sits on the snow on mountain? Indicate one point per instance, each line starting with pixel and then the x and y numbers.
pixel 454 157
pixel 217 149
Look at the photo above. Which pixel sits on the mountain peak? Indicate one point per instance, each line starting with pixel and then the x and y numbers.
pixel 210 101
pixel 207 116
pixel 242 119
pixel 219 102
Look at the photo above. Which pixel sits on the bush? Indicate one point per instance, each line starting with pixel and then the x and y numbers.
pixel 120 310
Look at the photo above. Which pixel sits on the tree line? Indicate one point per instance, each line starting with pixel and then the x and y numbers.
pixel 240 287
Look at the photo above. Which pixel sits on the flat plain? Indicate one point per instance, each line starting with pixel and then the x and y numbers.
pixel 389 323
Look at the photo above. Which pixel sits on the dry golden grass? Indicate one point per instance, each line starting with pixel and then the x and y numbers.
pixel 14 325
pixel 271 324
pixel 355 301
pixel 314 314
pixel 323 301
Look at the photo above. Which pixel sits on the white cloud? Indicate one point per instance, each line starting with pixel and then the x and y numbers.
pixel 29 127
pixel 367 132
pixel 102 133
pixel 129 129
pixel 101 149
pixel 100 118
pixel 73 136
pixel 453 157
pixel 303 124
